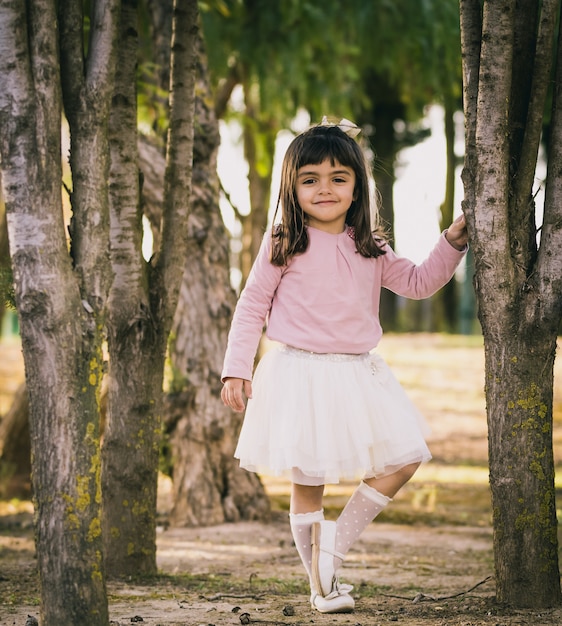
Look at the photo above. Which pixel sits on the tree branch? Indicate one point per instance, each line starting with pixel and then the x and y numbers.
pixel 549 264
pixel 490 233
pixel 420 597
pixel 471 31
pixel 541 73
pixel 225 89
pixel 524 156
pixel 70 21
pixel 87 98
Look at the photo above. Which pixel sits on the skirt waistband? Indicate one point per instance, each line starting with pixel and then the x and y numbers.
pixel 323 356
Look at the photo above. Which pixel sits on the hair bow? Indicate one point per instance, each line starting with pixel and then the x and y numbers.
pixel 346 126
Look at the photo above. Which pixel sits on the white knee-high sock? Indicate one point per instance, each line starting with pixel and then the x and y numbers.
pixel 361 509
pixel 301 524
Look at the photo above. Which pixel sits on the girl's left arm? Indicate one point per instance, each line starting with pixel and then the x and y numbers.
pixel 421 281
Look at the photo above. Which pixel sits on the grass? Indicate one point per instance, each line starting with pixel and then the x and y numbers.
pixel 210 585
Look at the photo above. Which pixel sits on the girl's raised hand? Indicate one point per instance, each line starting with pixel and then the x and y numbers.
pixel 456 234
pixel 233 392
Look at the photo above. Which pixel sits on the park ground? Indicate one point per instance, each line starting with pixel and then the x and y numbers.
pixel 426 561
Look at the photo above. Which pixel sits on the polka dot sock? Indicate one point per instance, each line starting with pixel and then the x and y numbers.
pixel 301 523
pixel 361 509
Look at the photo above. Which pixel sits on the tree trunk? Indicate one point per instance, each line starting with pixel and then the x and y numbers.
pixel 448 298
pixel 134 380
pixel 259 148
pixel 517 285
pixel 385 147
pixel 519 400
pixel 143 299
pixel 208 486
pixel 59 308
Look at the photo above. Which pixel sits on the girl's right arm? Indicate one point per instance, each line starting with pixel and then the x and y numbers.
pixel 250 315
pixel 234 392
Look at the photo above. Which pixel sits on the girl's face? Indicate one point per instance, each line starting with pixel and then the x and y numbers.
pixel 325 193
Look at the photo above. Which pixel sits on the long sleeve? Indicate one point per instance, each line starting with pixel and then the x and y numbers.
pixel 250 315
pixel 327 298
pixel 407 279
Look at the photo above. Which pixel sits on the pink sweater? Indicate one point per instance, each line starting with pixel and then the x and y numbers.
pixel 327 299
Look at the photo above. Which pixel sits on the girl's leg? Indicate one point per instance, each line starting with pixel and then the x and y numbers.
pixel 306 508
pixel 390 485
pixel 306 511
pixel 367 501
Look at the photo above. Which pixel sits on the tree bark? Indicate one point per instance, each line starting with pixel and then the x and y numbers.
pixel 134 379
pixel 517 286
pixel 143 300
pixel 86 91
pixel 60 303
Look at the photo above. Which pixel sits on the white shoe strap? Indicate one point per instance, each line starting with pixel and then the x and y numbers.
pixel 333 553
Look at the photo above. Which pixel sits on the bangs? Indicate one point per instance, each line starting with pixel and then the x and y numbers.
pixel 326 146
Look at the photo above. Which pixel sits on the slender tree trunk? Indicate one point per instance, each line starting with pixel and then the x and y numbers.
pixel 385 157
pixel 259 149
pixel 449 295
pixel 130 444
pixel 143 300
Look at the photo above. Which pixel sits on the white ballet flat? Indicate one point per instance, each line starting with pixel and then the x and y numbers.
pixel 323 541
pixel 337 601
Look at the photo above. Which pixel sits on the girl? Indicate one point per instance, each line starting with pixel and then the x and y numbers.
pixel 322 406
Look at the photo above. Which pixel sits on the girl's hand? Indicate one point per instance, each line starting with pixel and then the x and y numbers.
pixel 456 234
pixel 233 393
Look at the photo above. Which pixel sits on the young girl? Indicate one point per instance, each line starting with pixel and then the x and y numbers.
pixel 322 407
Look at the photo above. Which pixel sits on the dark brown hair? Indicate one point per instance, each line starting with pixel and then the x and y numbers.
pixel 314 146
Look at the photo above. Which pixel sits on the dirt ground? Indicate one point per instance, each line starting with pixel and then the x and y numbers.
pixel 427 560
pixel 402 574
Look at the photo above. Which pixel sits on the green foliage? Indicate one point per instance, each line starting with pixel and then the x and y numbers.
pixel 292 51
pixel 412 47
pixel 318 55
pixel 211 584
pixel 152 102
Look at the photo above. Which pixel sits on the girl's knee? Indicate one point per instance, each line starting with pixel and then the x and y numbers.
pixel 306 498
pixel 390 484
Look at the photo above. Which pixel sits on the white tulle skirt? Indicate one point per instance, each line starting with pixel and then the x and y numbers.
pixel 321 418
